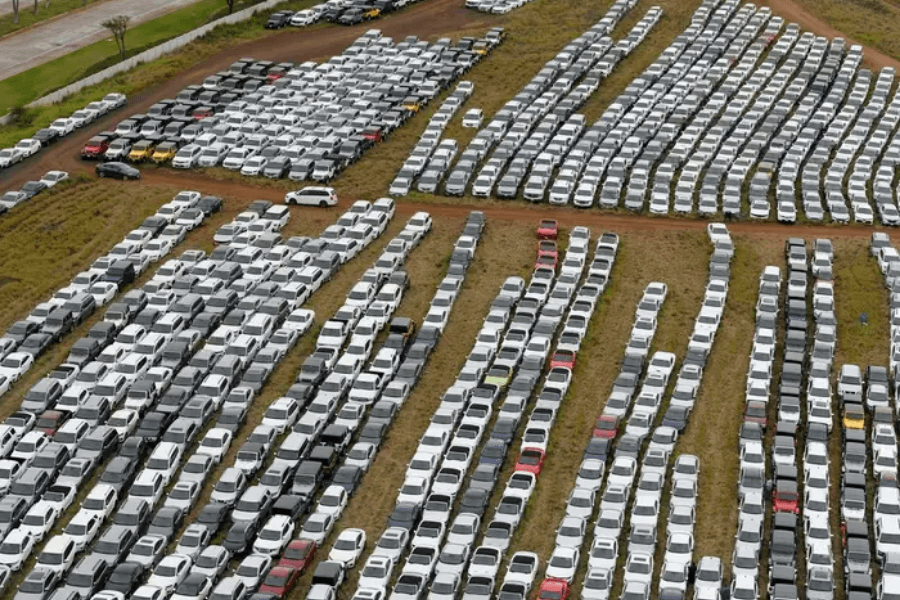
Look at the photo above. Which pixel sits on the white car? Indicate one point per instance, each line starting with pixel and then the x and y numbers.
pixel 485 562
pixel 312 196
pixel 317 527
pixel 392 544
pixel 83 528
pixel 39 519
pixel 333 501
pixel 563 564
pixel 376 573
pixel 216 443
pixel 16 548
pixel 274 535
pixel 212 562
pixel 148 550
pixel 183 495
pixel 170 571
pixel 103 292
pixel 192 542
pixel 348 546
pixel 253 569
pixel 28 147
pixel 303 18
pixel 15 365
pixel 10 156
pixel 51 178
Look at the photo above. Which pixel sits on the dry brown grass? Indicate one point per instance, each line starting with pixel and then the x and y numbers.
pixel 859 288
pixel 505 249
pixel 636 266
pixel 713 432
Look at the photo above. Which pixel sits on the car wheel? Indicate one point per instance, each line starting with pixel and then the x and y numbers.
pixel 323 204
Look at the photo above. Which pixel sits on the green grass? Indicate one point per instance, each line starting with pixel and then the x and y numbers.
pixel 29 17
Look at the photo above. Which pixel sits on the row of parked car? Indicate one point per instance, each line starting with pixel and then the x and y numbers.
pixel 645 423
pixel 306 121
pixel 60 128
pixel 495 7
pixel 30 189
pixel 389 378
pixel 881 522
pixel 431 548
pixel 520 131
pixel 343 12
pixel 150 396
pixel 71 305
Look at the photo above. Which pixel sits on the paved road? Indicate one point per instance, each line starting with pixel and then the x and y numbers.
pixel 65 34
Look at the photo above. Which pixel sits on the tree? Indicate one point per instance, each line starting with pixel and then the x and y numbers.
pixel 117 26
pixel 15 6
pixel 231 4
pixel 34 10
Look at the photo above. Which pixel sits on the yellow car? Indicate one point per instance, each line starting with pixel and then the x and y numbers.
pixel 164 152
pixel 481 47
pixel 854 418
pixel 412 105
pixel 141 151
pixel 371 12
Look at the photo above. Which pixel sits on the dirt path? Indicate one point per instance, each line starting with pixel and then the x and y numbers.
pixel 793 12
pixel 517 211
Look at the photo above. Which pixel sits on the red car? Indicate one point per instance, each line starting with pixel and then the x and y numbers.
pixel 553 589
pixel 546 261
pixel 607 427
pixel 531 460
pixel 280 581
pixel 785 497
pixel 51 420
pixel 547 248
pixel 548 229
pixel 95 147
pixel 563 358
pixel 755 413
pixel 298 554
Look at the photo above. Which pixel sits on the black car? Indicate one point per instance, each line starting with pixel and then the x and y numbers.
pixel 117 170
pixel 241 536
pixel 347 477
pixel 279 19
pixel 125 578
pixel 212 516
pixel 46 136
pixel 120 473
pixel 36 343
pixel 405 515
pixel 166 522
pixel 210 204
pixel 33 188
pixel 154 424
pixel 474 501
